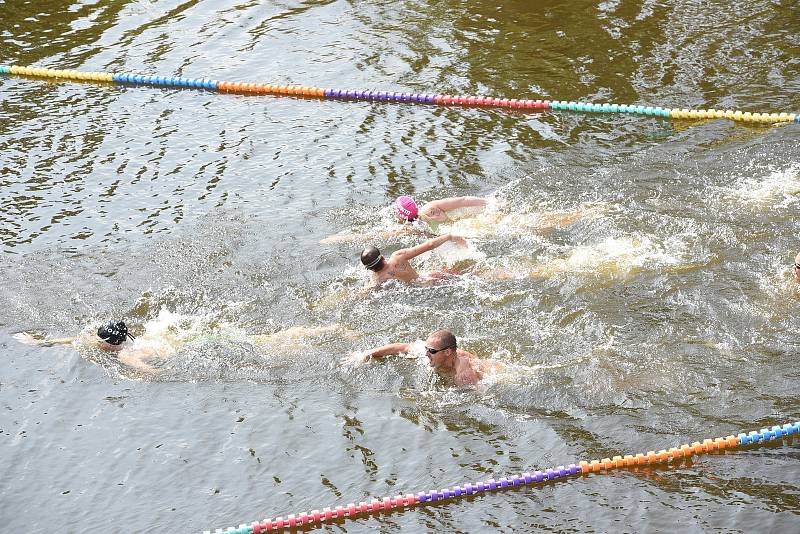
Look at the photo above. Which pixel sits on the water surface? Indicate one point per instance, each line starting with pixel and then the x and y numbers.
pixel 668 315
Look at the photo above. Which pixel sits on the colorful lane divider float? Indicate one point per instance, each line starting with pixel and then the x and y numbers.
pixel 418 98
pixel 399 502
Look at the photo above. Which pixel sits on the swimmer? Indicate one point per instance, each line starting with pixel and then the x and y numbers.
pixel 397 267
pixel 426 220
pixel 441 349
pixel 796 268
pixel 111 337
pixel 297 337
pixel 436 211
pixel 431 215
pixel 114 336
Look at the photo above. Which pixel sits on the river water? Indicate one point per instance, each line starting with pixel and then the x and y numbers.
pixel 666 314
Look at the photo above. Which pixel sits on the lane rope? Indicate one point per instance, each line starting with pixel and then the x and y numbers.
pixel 393 96
pixel 401 502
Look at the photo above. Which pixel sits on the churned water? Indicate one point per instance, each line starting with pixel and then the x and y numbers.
pixel 666 313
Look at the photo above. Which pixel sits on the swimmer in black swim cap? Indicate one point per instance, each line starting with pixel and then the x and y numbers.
pixel 372 259
pixel 114 333
pixel 397 267
pixel 111 337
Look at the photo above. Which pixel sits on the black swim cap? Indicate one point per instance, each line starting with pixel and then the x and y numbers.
pixel 114 333
pixel 372 259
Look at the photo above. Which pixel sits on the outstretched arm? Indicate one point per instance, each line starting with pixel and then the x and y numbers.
pixel 28 339
pixel 393 349
pixel 454 203
pixel 438 209
pixel 430 244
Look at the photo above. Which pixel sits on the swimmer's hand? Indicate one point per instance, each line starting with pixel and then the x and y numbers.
pixel 26 338
pixel 459 241
pixel 29 339
pixel 355 359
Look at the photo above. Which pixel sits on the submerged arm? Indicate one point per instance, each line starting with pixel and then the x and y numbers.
pixel 343 238
pixel 349 238
pixel 28 339
pixel 135 357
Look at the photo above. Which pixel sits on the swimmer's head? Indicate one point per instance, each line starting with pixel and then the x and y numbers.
pixel 441 348
pixel 796 268
pixel 406 208
pixel 114 333
pixel 372 259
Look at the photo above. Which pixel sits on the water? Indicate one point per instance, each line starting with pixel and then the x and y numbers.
pixel 667 315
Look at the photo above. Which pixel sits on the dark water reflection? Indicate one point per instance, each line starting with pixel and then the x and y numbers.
pixel 668 315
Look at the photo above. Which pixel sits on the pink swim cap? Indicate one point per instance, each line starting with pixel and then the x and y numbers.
pixel 406 208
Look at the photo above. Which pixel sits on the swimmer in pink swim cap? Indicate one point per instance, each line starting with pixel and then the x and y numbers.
pixel 434 211
pixel 406 208
pixel 407 211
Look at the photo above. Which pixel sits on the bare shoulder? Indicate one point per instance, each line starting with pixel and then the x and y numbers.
pixel 479 367
pixel 466 354
pixel 396 255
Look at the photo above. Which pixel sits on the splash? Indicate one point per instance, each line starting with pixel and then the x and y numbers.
pixel 781 188
pixel 451 253
pixel 614 257
pixel 497 221
pixel 174 330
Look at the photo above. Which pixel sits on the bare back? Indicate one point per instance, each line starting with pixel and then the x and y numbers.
pixel 397 268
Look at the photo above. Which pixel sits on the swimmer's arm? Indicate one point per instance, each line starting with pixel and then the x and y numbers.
pixel 454 203
pixel 349 238
pixel 429 245
pixel 343 238
pixel 468 377
pixel 28 339
pixel 135 361
pixel 392 349
pixel 557 219
pixel 358 358
pixel 366 290
pixel 135 358
pixel 405 230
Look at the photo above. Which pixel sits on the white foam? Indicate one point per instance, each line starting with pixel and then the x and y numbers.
pixel 174 329
pixel 452 253
pixel 781 187
pixel 621 256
